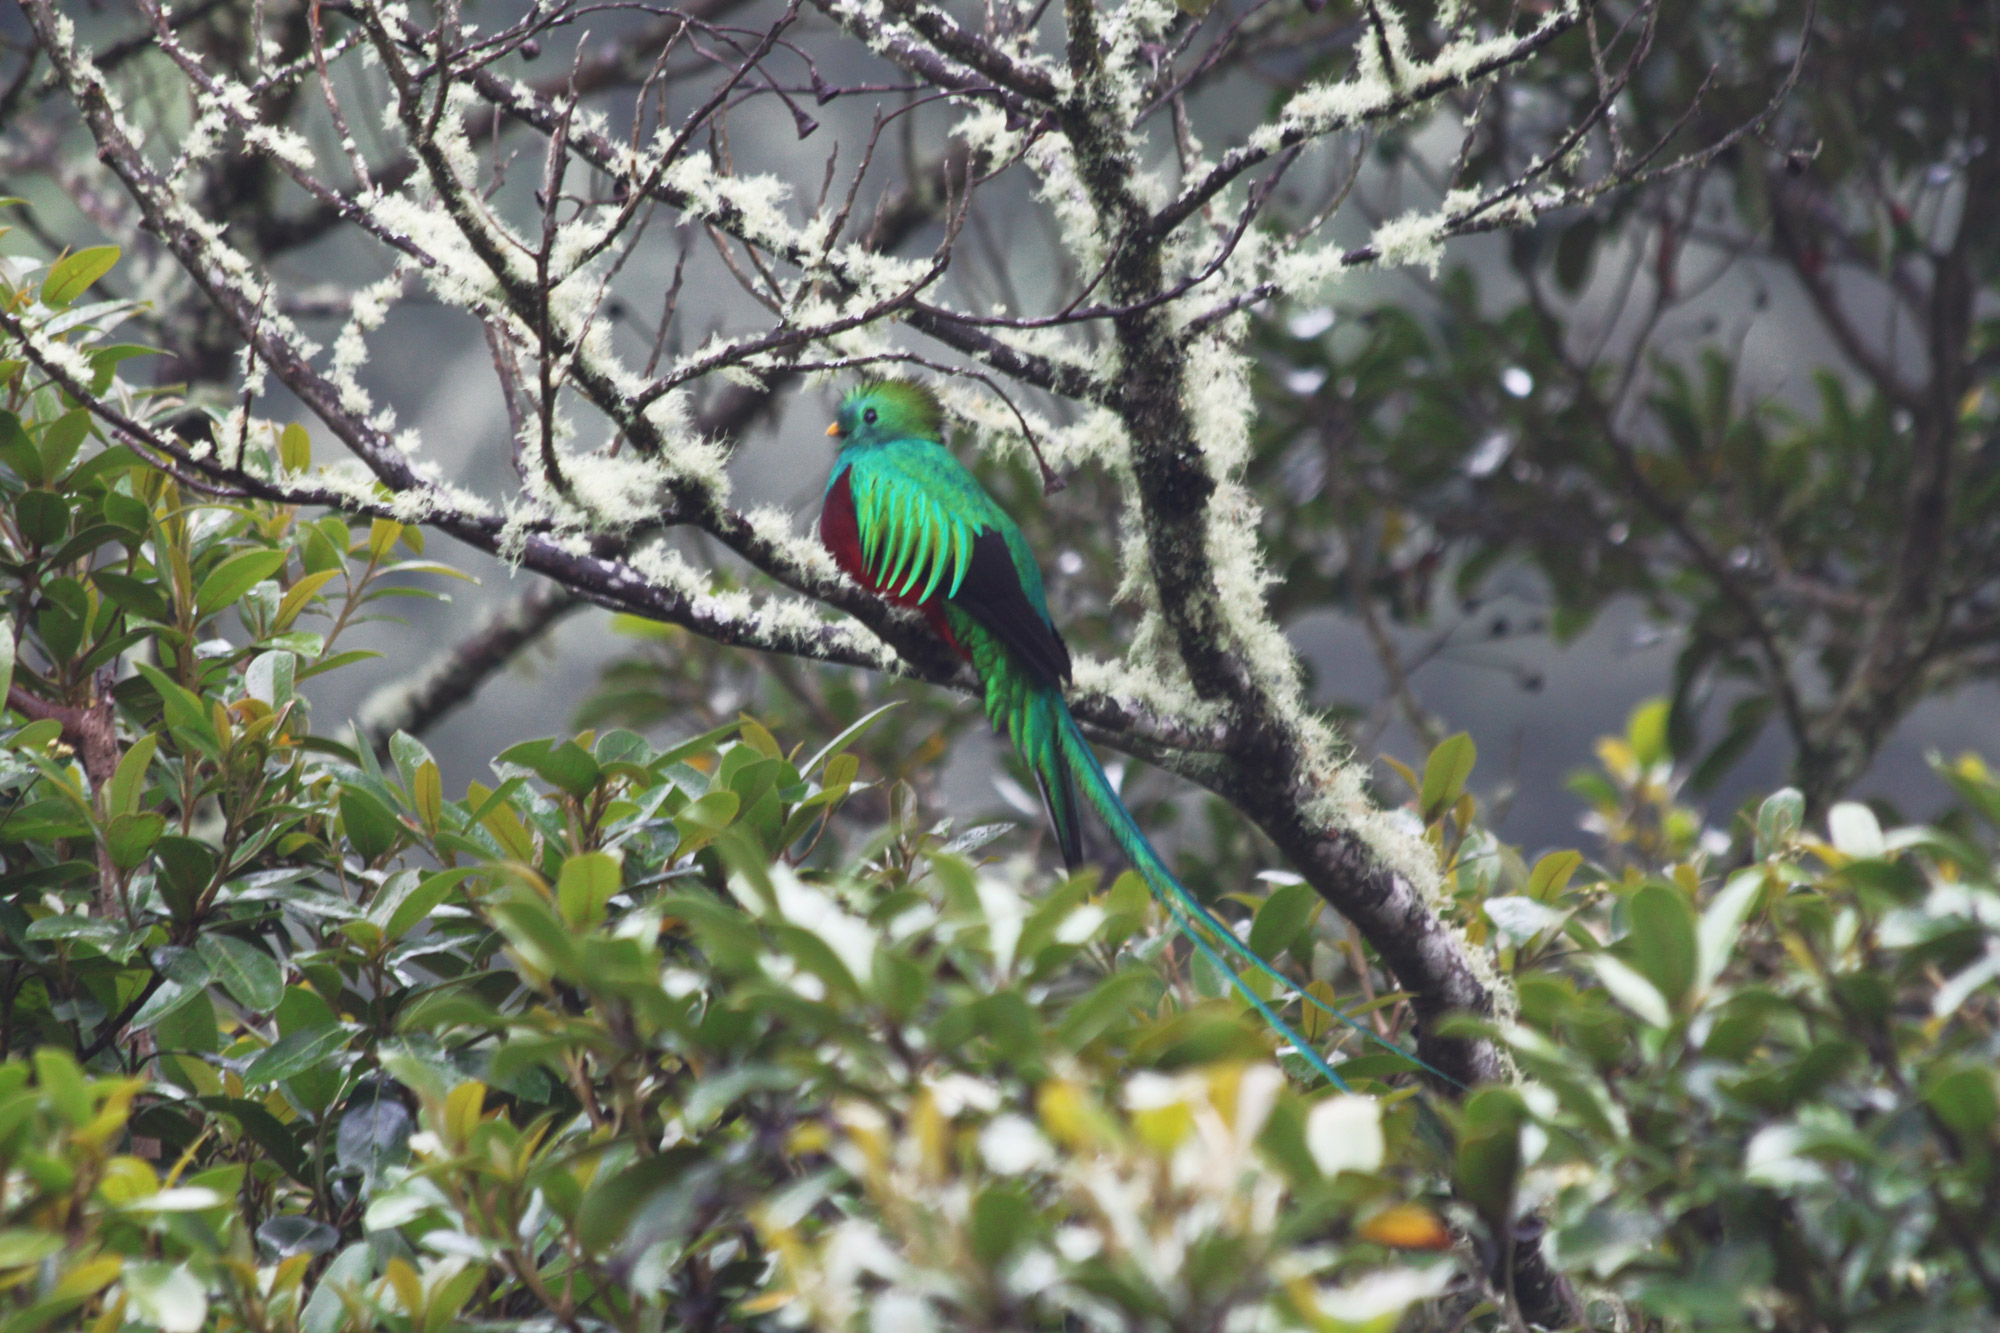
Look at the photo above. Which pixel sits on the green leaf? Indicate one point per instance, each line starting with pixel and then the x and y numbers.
pixel 104 361
pixel 1445 772
pixel 134 596
pixel 1965 1099
pixel 71 926
pixel 235 576
pixel 566 766
pixel 271 677
pixel 693 746
pixel 130 838
pixel 369 825
pixel 61 627
pixel 128 784
pixel 427 791
pixel 187 868
pixel 409 755
pixel 173 994
pixel 43 517
pixel 81 545
pixel 1280 919
pixel 336 662
pixel 1647 733
pixel 294 1054
pixel 125 512
pixel 374 1133
pixel 614 1197
pixel 288 1234
pixel 60 1080
pixel 1662 940
pixel 302 1010
pixel 295 448
pixel 187 719
pixel 6 656
pixel 56 876
pixel 758 737
pixel 1632 989
pixel 1110 1004
pixel 422 900
pixel 344 1280
pixel 1001 1219
pixel 189 1026
pixel 20 1247
pixel 61 440
pixel 586 884
pixel 1722 921
pixel 719 1091
pixel 70 276
pixel 319 554
pixel 535 932
pixel 18 452
pixel 1551 875
pixel 570 767
pixel 382 534
pixel 251 976
pixel 702 821
pixel 1489 1162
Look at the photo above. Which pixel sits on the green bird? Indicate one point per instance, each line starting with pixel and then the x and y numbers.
pixel 905 520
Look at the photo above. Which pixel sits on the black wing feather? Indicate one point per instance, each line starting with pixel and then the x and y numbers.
pixel 992 594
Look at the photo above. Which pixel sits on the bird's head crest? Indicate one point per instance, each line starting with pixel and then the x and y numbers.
pixel 881 410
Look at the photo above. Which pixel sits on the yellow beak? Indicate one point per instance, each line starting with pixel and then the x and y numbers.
pixel 833 429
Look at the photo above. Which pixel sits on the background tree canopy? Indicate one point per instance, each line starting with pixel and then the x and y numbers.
pixel 1315 347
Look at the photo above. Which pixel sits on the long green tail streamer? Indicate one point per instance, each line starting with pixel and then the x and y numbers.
pixel 1181 905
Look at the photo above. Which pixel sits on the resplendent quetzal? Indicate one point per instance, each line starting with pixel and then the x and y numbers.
pixel 905 520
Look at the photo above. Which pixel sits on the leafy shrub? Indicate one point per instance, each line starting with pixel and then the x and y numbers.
pixel 1764 1098
pixel 293 1041
pixel 288 1040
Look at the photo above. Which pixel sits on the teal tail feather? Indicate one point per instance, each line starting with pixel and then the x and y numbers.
pixel 1085 775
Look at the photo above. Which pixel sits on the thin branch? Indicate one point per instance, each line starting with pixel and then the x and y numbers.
pixel 1239 160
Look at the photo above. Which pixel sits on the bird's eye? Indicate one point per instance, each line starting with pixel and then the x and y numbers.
pixel 869 416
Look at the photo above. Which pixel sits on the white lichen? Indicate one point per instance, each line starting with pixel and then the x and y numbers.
pixel 1414 240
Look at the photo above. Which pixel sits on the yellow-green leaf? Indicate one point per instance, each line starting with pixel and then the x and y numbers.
pixel 295 448
pixel 129 782
pixel 1551 875
pixel 587 882
pixel 234 577
pixel 70 276
pixel 429 794
pixel 1445 773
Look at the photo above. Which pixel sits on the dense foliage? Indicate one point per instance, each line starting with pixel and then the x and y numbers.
pixel 294 1041
pixel 644 1036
